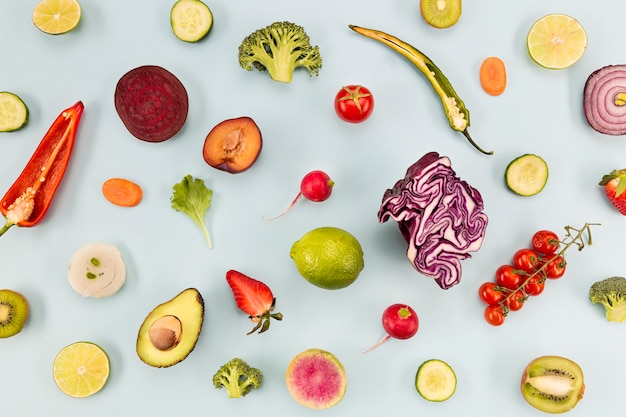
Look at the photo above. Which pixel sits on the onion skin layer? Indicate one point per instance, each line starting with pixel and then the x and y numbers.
pixel 604 100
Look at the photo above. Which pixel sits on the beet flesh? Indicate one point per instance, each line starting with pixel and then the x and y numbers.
pixel 152 103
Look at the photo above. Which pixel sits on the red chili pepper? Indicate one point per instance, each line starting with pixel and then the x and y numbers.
pixel 27 200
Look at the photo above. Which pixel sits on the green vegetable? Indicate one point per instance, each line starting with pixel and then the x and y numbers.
pixel 13 112
pixel 193 198
pixel 611 293
pixel 454 108
pixel 435 380
pixel 279 49
pixel 238 378
pixel 191 20
pixel 526 175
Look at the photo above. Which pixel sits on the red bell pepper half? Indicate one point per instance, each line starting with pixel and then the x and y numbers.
pixel 28 199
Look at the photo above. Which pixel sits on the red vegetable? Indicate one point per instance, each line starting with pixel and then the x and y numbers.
pixel 604 100
pixel 354 103
pixel 152 103
pixel 400 321
pixel 28 199
pixel 315 186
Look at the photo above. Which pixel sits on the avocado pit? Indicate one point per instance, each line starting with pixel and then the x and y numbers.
pixel 166 332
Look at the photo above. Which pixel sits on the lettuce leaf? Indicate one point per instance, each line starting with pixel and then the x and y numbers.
pixel 193 198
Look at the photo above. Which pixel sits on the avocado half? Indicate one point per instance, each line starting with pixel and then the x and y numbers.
pixel 170 332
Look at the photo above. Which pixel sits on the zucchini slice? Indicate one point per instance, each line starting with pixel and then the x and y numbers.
pixel 526 175
pixel 13 112
pixel 191 20
pixel 435 380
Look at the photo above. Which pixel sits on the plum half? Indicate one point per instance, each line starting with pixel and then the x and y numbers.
pixel 233 145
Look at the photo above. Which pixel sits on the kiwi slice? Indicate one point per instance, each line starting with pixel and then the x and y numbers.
pixel 13 313
pixel 441 13
pixel 552 384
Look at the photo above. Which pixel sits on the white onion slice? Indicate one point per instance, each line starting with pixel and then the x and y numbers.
pixel 97 270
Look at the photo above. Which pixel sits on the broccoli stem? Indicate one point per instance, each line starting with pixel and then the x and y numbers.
pixel 616 312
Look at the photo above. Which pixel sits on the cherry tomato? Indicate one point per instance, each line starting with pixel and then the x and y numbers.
pixel 516 301
pixel 556 267
pixel 494 315
pixel 354 103
pixel 545 242
pixel 507 277
pixel 535 285
pixel 527 260
pixel 489 293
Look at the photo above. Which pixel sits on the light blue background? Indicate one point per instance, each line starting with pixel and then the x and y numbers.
pixel 540 112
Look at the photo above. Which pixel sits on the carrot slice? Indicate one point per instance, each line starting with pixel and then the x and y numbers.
pixel 122 192
pixel 493 76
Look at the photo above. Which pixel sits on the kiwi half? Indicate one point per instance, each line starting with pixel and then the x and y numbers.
pixel 441 13
pixel 13 313
pixel 553 384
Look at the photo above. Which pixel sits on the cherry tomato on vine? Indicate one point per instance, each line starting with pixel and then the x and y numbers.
pixel 535 285
pixel 545 242
pixel 489 293
pixel 527 260
pixel 354 103
pixel 507 277
pixel 516 301
pixel 494 315
pixel 556 267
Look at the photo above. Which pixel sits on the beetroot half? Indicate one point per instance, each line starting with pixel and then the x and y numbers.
pixel 604 100
pixel 316 379
pixel 152 103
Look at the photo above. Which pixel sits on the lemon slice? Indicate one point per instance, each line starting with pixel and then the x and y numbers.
pixel 57 16
pixel 81 369
pixel 13 112
pixel 191 20
pixel 556 41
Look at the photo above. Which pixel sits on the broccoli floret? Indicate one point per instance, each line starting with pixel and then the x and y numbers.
pixel 611 293
pixel 279 49
pixel 237 377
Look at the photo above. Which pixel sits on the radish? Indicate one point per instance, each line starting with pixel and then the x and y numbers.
pixel 316 186
pixel 400 322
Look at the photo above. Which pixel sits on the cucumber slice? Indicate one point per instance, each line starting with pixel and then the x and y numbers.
pixel 13 112
pixel 191 20
pixel 435 380
pixel 97 270
pixel 526 175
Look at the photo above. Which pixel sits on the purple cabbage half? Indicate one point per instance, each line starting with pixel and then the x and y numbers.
pixel 440 216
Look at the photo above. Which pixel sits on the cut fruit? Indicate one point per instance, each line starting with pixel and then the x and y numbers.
pixel 13 112
pixel 527 175
pixel 81 369
pixel 13 313
pixel 435 380
pixel 233 145
pixel 170 332
pixel 152 103
pixel 56 17
pixel 191 20
pixel 316 379
pixel 97 270
pixel 441 13
pixel 556 41
pixel 552 384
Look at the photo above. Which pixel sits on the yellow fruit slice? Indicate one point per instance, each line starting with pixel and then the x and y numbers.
pixel 81 369
pixel 56 17
pixel 556 41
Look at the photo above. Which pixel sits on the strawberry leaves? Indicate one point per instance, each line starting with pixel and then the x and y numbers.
pixel 254 298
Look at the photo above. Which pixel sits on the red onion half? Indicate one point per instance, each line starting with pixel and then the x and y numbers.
pixel 604 100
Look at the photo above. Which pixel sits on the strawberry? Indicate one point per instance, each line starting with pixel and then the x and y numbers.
pixel 254 298
pixel 614 185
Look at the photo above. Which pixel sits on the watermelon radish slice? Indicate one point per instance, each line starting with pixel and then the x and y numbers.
pixel 316 379
pixel 152 103
pixel 604 100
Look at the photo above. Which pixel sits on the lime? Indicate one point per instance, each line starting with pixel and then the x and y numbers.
pixel 328 257
pixel 13 112
pixel 81 369
pixel 191 20
pixel 56 17
pixel 556 41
